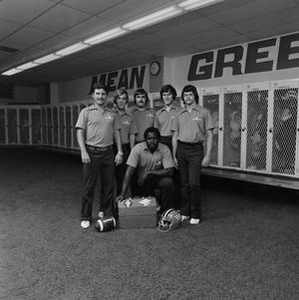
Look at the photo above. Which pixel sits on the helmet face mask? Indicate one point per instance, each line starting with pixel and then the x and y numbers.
pixel 170 220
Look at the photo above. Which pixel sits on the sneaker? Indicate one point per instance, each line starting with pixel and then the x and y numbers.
pixel 194 221
pixel 85 224
pixel 184 218
pixel 101 214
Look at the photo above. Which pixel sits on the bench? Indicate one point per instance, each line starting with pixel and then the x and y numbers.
pixel 272 180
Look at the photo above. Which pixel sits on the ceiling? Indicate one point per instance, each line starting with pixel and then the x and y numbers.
pixel 30 29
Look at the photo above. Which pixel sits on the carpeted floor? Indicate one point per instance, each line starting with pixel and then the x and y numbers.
pixel 246 248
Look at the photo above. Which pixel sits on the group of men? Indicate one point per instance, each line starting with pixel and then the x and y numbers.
pixel 155 153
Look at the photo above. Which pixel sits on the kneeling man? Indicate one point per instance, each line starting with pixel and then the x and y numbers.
pixel 155 168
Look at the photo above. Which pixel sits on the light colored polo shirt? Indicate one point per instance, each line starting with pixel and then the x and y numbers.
pixel 143 120
pixel 142 159
pixel 99 126
pixel 163 120
pixel 192 127
pixel 127 125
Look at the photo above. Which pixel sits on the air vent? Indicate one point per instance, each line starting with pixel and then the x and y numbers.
pixel 8 49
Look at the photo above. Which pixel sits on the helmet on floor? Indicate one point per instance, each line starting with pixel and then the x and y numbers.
pixel 169 220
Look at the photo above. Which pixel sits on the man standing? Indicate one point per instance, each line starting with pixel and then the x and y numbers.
pixel 154 166
pixel 128 133
pixel 191 126
pixel 163 121
pixel 142 114
pixel 97 127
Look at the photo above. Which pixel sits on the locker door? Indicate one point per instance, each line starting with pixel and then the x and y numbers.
pixel 232 129
pixel 55 125
pixel 2 126
pixel 12 123
pixel 50 125
pixel 285 109
pixel 61 126
pixel 257 124
pixel 24 125
pixel 36 126
pixel 68 126
pixel 75 117
pixel 44 126
pixel 211 102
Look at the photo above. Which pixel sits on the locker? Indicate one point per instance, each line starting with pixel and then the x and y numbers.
pixel 75 118
pixel 24 125
pixel 12 123
pixel 2 126
pixel 68 126
pixel 55 125
pixel 36 126
pixel 61 126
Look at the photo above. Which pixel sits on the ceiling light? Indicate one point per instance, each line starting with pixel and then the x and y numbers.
pixel 11 72
pixel 46 58
pixel 72 49
pixel 192 4
pixel 105 36
pixel 26 66
pixel 153 18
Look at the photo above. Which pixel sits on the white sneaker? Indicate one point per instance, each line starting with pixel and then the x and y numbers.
pixel 101 214
pixel 184 218
pixel 194 221
pixel 85 224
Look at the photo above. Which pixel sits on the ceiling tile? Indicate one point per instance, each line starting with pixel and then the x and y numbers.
pixel 23 11
pixel 141 43
pixel 274 31
pixel 7 28
pixel 29 36
pixel 56 42
pixel 64 17
pixel 132 9
pixel 188 28
pixel 270 21
pixel 208 36
pixel 89 27
pixel 92 6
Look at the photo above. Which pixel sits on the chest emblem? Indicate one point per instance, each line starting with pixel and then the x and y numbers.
pixel 196 119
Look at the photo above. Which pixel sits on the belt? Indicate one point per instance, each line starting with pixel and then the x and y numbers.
pixel 99 149
pixel 190 144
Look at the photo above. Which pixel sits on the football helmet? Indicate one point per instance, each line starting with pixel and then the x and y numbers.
pixel 169 220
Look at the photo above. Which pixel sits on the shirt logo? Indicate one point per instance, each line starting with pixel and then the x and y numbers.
pixel 150 115
pixel 196 119
pixel 108 118
pixel 126 122
pixel 145 202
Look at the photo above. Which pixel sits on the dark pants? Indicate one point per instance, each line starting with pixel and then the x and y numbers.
pixel 165 187
pixel 101 163
pixel 189 159
pixel 120 170
pixel 167 140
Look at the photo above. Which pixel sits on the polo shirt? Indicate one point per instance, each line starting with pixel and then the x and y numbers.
pixel 163 120
pixel 142 159
pixel 99 126
pixel 143 119
pixel 127 125
pixel 192 127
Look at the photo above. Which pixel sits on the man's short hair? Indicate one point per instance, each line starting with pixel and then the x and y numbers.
pixel 153 130
pixel 190 88
pixel 98 86
pixel 141 91
pixel 120 92
pixel 168 88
